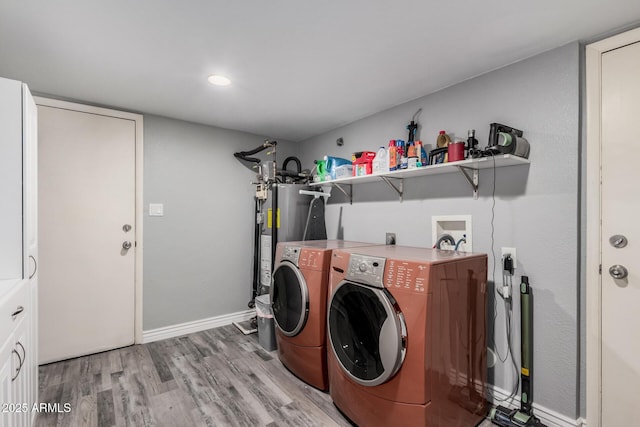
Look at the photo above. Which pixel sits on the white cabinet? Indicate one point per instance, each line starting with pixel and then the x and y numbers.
pixel 11 248
pixel 6 369
pixel 30 234
pixel 16 356
pixel 18 254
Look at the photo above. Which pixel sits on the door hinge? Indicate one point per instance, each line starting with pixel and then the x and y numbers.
pixel 600 269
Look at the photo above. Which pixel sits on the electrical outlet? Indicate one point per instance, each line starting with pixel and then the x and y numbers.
pixel 512 253
pixel 390 239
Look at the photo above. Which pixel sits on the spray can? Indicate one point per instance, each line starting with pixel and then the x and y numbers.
pixel 391 155
pixel 402 154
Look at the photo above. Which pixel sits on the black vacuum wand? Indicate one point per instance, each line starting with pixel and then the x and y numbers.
pixel 522 417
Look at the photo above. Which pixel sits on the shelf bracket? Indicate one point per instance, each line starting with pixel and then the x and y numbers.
pixel 349 193
pixel 399 189
pixel 473 181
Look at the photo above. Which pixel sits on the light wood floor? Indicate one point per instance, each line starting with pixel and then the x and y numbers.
pixel 217 377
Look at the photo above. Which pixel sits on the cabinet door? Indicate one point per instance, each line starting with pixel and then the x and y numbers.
pixel 5 380
pixel 30 181
pixel 30 172
pixel 11 253
pixel 21 373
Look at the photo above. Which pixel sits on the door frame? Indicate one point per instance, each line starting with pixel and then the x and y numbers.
pixel 139 207
pixel 593 276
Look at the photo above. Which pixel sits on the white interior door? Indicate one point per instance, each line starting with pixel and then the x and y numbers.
pixel 86 197
pixel 620 207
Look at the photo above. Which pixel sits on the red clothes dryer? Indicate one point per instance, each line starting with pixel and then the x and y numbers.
pixel 299 302
pixel 407 336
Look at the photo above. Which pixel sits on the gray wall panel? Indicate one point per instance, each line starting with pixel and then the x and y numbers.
pixel 198 256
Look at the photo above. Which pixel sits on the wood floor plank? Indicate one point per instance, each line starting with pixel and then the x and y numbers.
pixel 159 359
pixel 85 411
pixel 170 409
pixel 105 409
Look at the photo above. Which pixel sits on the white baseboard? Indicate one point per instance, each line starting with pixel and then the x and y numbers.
pixel 548 417
pixel 195 326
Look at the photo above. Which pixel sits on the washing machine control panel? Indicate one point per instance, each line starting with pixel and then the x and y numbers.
pixel 366 269
pixel 291 253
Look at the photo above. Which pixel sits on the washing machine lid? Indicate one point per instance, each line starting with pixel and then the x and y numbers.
pixel 367 332
pixel 289 299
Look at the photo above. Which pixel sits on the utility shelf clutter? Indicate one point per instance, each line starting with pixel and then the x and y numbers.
pixel 395 179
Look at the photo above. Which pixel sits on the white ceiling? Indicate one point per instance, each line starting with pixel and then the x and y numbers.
pixel 299 68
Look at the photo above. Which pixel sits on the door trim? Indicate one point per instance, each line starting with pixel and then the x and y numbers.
pixel 593 250
pixel 139 162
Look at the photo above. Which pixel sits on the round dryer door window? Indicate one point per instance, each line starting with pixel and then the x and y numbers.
pixel 367 333
pixel 289 299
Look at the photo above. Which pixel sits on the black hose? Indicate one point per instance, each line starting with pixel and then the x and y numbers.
pixel 254 151
pixel 445 238
pixel 247 159
pixel 286 163
pixel 256 255
pixel 274 224
pixel 244 155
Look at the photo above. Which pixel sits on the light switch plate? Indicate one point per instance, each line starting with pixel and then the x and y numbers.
pixel 156 209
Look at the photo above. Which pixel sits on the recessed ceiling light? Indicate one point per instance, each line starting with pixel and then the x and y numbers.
pixel 219 80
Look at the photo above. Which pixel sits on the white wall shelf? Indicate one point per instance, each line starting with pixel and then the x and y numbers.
pixel 395 179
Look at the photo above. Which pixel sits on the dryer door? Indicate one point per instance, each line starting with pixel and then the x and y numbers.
pixel 289 299
pixel 367 333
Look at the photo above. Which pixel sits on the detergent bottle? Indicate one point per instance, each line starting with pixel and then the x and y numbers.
pixel 412 157
pixel 424 158
pixel 380 163
pixel 442 142
pixel 391 155
pixel 419 150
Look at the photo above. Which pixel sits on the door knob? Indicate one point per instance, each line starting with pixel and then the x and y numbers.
pixel 618 271
pixel 126 245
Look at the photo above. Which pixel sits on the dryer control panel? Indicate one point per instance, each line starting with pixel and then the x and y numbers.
pixel 291 253
pixel 366 269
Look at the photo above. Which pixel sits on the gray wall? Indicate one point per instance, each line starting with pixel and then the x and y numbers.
pixel 536 206
pixel 198 256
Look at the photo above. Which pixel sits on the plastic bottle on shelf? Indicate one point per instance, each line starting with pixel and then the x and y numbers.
pixel 380 162
pixel 419 150
pixel 443 139
pixel 401 154
pixel 442 142
pixel 412 158
pixel 391 155
pixel 424 157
